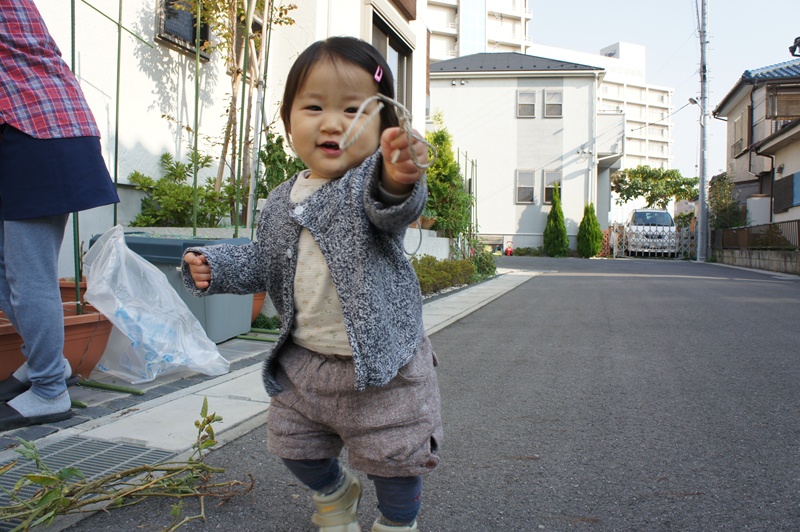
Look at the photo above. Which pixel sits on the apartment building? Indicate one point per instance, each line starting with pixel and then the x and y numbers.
pixel 647 108
pixel 464 27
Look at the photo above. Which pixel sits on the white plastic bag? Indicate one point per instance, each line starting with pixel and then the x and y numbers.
pixel 154 331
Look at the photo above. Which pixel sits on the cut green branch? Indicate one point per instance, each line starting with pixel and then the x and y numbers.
pixel 66 491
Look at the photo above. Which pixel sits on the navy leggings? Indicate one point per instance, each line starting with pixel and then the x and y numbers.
pixel 399 498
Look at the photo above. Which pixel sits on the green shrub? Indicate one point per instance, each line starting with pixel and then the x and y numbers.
pixel 725 211
pixel 590 236
pixel 436 275
pixel 684 220
pixel 483 266
pixel 447 196
pixel 556 241
pixel 529 252
pixel 168 200
pixel 267 322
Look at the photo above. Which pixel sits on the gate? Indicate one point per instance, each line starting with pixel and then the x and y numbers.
pixel 654 241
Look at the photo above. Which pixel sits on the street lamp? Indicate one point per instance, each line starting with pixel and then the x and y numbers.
pixel 795 48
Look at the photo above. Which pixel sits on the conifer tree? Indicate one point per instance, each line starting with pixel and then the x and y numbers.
pixel 556 242
pixel 448 201
pixel 590 236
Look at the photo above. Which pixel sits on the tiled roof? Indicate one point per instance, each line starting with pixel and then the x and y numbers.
pixel 506 62
pixel 788 69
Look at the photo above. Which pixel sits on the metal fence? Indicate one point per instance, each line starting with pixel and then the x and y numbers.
pixel 784 236
pixel 654 241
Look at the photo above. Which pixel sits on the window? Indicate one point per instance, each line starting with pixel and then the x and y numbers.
pixel 398 54
pixel 526 104
pixel 783 194
pixel 740 128
pixel 176 28
pixel 551 181
pixel 783 103
pixel 553 101
pixel 525 183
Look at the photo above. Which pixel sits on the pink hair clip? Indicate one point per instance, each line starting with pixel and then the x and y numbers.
pixel 379 74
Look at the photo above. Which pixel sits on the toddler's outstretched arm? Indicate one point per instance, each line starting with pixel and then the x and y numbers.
pixel 199 269
pixel 399 170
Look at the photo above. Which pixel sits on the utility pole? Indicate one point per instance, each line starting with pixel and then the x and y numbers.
pixel 702 216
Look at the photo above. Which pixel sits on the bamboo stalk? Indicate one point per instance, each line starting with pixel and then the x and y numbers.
pixel 109 387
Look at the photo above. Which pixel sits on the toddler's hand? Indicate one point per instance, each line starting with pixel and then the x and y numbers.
pixel 199 269
pixel 399 167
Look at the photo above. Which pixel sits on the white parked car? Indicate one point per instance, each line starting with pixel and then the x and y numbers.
pixel 647 231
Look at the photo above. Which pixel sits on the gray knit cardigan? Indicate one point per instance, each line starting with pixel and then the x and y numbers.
pixel 362 241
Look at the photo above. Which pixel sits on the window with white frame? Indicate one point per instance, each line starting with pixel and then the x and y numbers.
pixel 526 104
pixel 553 103
pixel 525 186
pixel 551 181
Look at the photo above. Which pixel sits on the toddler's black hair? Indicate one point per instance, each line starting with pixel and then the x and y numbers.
pixel 351 50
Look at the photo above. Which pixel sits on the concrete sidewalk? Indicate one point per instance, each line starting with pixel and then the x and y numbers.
pixel 165 422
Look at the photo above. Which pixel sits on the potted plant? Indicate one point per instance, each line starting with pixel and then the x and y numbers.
pixel 86 333
pixel 428 218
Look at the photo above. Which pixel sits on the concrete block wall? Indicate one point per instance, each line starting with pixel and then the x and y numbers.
pixel 774 261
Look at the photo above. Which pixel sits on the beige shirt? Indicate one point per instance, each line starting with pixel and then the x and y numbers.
pixel 318 321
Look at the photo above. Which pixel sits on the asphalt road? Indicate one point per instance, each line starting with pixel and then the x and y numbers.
pixel 601 395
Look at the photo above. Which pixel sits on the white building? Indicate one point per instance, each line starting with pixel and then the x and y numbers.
pixel 611 119
pixel 465 27
pixel 157 89
pixel 531 123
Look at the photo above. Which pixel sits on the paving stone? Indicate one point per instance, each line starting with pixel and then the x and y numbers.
pixel 165 389
pixel 35 432
pixel 94 412
pixel 245 363
pixel 122 403
pixel 8 443
pixel 76 419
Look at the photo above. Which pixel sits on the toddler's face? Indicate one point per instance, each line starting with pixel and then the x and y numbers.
pixel 323 110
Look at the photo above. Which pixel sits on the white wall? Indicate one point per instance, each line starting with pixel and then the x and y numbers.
pixel 155 83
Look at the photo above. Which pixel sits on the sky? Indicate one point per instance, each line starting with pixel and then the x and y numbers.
pixel 742 35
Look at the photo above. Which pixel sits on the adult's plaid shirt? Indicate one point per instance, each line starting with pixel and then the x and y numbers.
pixel 39 94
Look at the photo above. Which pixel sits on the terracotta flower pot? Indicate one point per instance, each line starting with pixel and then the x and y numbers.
pixel 427 222
pixel 258 302
pixel 85 339
pixel 67 287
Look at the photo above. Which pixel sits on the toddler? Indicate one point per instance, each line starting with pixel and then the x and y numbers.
pixel 352 365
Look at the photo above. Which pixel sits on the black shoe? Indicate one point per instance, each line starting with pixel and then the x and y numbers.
pixel 11 419
pixel 11 387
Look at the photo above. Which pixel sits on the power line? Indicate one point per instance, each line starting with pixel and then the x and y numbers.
pixel 657 121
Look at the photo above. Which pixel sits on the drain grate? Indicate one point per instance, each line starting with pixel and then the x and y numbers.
pixel 94 458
